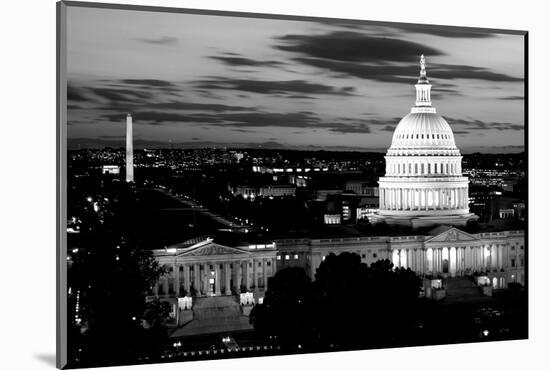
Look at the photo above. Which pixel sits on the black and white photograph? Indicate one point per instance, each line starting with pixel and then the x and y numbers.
pixel 247 185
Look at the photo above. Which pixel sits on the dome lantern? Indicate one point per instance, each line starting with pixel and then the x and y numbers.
pixel 423 88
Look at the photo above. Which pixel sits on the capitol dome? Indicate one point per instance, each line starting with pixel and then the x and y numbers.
pixel 423 131
pixel 423 184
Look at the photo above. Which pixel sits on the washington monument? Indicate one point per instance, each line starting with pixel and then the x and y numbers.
pixel 129 150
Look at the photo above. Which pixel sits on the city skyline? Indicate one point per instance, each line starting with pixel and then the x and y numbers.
pixel 197 80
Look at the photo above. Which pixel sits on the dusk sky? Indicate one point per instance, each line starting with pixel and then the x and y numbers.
pixel 197 80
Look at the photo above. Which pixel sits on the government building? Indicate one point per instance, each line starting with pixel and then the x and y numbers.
pixel 423 189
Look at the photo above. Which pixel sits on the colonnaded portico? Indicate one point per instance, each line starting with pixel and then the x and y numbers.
pixel 210 269
pixel 445 252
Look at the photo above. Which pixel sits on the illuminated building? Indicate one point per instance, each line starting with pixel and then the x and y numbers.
pixel 110 169
pixel 423 185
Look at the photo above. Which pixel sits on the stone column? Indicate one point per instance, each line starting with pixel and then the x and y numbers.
pixel 186 278
pixel 227 271
pixel 196 282
pixel 205 278
pixel 238 274
pixel 400 198
pixel 453 198
pixel 264 270
pixel 247 275
pixel 217 278
pixel 255 274
pixel 177 279
pixel 165 284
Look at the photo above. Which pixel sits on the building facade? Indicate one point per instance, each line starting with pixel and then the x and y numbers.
pixel 207 268
pixel 445 252
pixel 423 187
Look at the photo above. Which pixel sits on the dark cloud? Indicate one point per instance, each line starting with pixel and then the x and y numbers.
pixel 263 119
pixel 388 128
pixel 443 31
pixel 94 143
pixel 160 117
pixel 355 47
pixel 385 59
pixel 242 61
pixel 304 120
pixel 361 128
pixel 397 29
pixel 75 94
pixel 407 73
pixel 133 95
pixel 468 125
pixel 160 40
pixel 120 95
pixel 272 87
pixel 301 97
pixel 148 82
pixel 512 98
pixel 182 105
pixel 449 71
pixel 242 121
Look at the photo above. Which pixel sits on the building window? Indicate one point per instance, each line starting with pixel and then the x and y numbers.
pixel 171 269
pixel 374 255
pixel 521 247
pixel 295 256
pixel 211 267
pixel 363 255
pixel 513 248
pixel 181 268
pixel 323 258
pixel 279 258
pixel 513 262
pixel 287 256
pixel 269 263
pixel 259 264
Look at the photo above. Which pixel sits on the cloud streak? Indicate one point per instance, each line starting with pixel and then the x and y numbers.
pixel 291 87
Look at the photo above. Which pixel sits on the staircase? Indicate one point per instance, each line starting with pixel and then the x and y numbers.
pixel 462 289
pixel 214 315
pixel 223 307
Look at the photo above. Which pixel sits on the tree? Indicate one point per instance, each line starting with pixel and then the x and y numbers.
pixel 349 304
pixel 286 309
pixel 112 278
